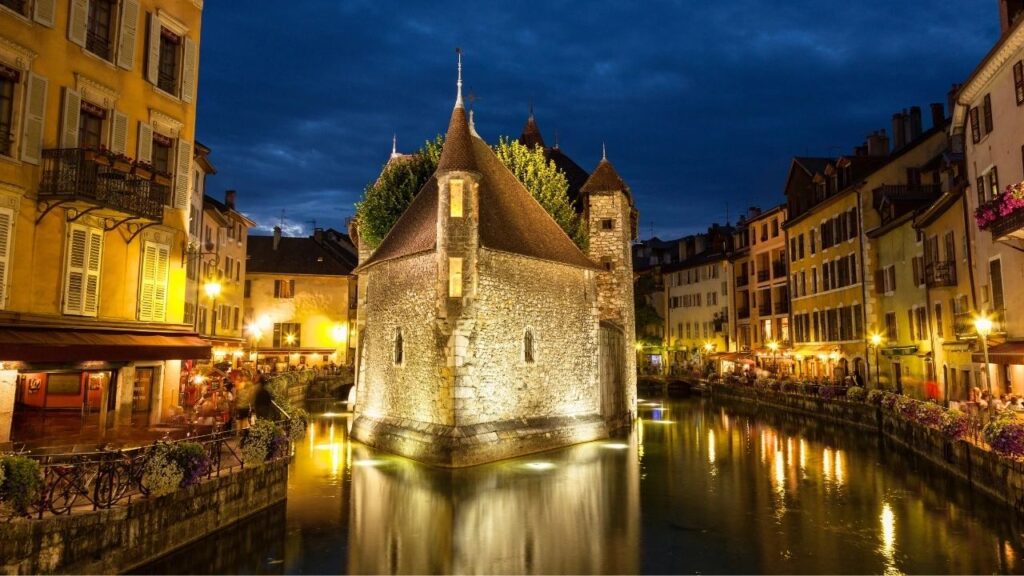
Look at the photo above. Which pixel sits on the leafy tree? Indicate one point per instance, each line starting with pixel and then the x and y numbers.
pixel 546 183
pixel 385 200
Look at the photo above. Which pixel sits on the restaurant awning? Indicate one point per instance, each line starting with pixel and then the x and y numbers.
pixel 744 357
pixel 1005 353
pixel 79 345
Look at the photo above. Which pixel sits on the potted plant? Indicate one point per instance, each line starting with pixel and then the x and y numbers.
pixel 161 178
pixel 98 156
pixel 143 170
pixel 121 163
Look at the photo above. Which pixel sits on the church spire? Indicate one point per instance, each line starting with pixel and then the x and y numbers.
pixel 531 137
pixel 458 84
pixel 604 152
pixel 457 151
pixel 394 145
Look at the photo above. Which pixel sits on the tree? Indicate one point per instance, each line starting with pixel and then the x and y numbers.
pixel 546 183
pixel 385 200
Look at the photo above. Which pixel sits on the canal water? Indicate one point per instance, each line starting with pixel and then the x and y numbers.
pixel 698 486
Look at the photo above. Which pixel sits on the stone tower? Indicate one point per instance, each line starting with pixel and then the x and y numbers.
pixel 608 208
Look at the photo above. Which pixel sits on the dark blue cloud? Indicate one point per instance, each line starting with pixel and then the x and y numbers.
pixel 701 103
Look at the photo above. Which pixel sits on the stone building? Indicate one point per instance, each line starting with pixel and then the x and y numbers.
pixel 485 332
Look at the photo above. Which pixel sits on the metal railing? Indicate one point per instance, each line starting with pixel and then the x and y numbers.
pixel 763 275
pixel 743 313
pixel 964 329
pixel 765 309
pixel 98 44
pixel 1007 225
pixel 742 280
pixel 782 306
pixel 68 174
pixel 941 273
pixel 778 269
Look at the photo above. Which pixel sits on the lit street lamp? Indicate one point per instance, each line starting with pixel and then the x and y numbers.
pixel 876 343
pixel 774 347
pixel 983 324
pixel 212 289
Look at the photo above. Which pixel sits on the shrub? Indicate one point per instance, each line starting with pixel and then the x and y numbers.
pixel 889 400
pixel 875 397
pixel 1005 434
pixel 193 461
pixel 929 414
pixel 259 442
pixel 953 424
pixel 297 424
pixel 906 408
pixel 856 393
pixel 789 387
pixel 828 392
pixel 161 474
pixel 22 481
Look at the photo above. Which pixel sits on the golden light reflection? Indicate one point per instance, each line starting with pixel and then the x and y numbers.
pixel 803 454
pixel 780 471
pixel 889 538
pixel 711 446
pixel 826 464
pixel 840 468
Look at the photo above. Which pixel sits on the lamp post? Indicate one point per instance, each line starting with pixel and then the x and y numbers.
pixel 256 334
pixel 774 347
pixel 876 342
pixel 212 289
pixel 708 347
pixel 983 324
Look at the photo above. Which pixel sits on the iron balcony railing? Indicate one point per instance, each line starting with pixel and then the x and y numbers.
pixel 1008 225
pixel 778 269
pixel 964 329
pixel 742 280
pixel 763 275
pixel 743 313
pixel 765 309
pixel 69 175
pixel 782 307
pixel 942 273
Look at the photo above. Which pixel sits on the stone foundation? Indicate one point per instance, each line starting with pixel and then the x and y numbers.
pixel 460 446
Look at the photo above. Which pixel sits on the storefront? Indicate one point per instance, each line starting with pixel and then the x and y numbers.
pixel 1006 365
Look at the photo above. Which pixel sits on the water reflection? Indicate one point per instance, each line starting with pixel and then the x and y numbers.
pixel 713 488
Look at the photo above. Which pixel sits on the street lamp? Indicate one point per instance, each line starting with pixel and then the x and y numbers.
pixel 876 343
pixel 983 324
pixel 774 347
pixel 256 334
pixel 212 289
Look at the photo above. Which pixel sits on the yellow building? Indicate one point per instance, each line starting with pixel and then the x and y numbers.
pixel 950 292
pixel 697 317
pixel 769 302
pixel 95 181
pixel 300 299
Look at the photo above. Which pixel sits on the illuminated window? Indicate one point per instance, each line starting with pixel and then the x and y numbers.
pixel 607 224
pixel 455 277
pixel 528 347
pixel 399 347
pixel 455 197
pixel 287 335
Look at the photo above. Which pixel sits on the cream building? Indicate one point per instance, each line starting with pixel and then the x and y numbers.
pixel 698 311
pixel 769 284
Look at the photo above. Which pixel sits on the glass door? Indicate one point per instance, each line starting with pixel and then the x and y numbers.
pixel 142 395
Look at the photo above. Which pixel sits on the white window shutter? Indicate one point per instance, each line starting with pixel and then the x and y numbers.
pixel 147 281
pixel 188 71
pixel 118 133
pixel 153 53
pixel 163 264
pixel 6 242
pixel 78 21
pixel 44 12
pixel 74 273
pixel 69 118
pixel 183 175
pixel 92 273
pixel 35 111
pixel 129 28
pixel 144 152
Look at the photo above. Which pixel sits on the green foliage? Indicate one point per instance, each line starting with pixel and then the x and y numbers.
pixel 546 183
pixel 856 393
pixel 1005 434
pixel 647 321
pixel 385 200
pixel 256 445
pixel 298 418
pixel 161 474
pixel 22 480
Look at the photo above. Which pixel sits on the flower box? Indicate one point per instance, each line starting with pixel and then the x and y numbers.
pixel 97 157
pixel 162 178
pixel 122 165
pixel 144 172
pixel 1003 215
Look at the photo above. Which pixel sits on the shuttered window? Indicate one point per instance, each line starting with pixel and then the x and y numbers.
pixel 35 110
pixel 153 282
pixel 129 31
pixel 987 113
pixel 44 12
pixel 975 126
pixel 82 270
pixel 6 245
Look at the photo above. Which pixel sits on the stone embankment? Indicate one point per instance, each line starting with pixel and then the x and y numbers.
pixel 999 477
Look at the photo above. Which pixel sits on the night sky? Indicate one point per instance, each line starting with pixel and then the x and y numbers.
pixel 702 103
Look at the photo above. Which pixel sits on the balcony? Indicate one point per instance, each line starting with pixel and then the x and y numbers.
pixel 1009 226
pixel 778 269
pixel 743 313
pixel 742 280
pixel 963 324
pixel 942 273
pixel 763 275
pixel 765 309
pixel 782 307
pixel 68 175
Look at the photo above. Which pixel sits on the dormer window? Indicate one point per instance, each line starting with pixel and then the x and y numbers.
pixel 455 192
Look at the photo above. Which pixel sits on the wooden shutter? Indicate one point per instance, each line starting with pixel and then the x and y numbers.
pixel 118 133
pixel 879 281
pixel 74 273
pixel 183 175
pixel 35 111
pixel 987 111
pixel 91 305
pixel 1018 81
pixel 147 281
pixel 78 22
pixel 144 149
pixel 975 126
pixel 44 12
pixel 129 28
pixel 153 52
pixel 6 240
pixel 70 118
pixel 188 71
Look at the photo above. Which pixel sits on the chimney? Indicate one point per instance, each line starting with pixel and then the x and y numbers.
pixel 878 144
pixel 229 198
pixel 277 236
pixel 1009 12
pixel 915 124
pixel 898 135
pixel 938 115
pixel 318 235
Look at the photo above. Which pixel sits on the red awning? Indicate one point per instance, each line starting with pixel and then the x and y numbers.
pixel 71 345
pixel 1005 353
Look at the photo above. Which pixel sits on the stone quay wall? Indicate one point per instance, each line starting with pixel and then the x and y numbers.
pixel 998 477
pixel 124 537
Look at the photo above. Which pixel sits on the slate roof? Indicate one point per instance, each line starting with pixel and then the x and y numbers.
pixel 813 165
pixel 293 256
pixel 576 176
pixel 531 134
pixel 511 220
pixel 604 179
